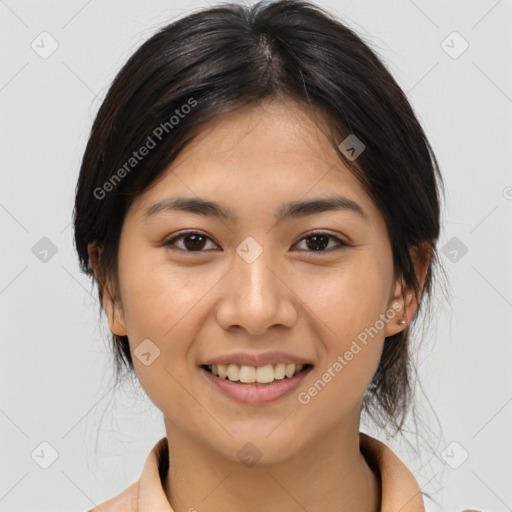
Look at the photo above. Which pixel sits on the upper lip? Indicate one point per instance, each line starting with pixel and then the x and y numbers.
pixel 260 359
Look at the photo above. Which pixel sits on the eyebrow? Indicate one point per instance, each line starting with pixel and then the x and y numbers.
pixel 294 209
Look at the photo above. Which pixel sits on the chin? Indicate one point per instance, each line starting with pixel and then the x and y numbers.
pixel 259 447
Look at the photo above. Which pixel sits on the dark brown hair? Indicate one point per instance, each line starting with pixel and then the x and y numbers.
pixel 222 58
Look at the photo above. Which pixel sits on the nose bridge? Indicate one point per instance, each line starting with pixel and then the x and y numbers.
pixel 252 276
pixel 257 299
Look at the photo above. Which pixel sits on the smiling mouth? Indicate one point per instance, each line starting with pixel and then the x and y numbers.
pixel 262 375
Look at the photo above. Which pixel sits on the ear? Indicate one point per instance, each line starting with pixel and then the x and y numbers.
pixel 403 296
pixel 114 310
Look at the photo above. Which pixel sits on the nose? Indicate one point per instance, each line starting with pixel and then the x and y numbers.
pixel 257 296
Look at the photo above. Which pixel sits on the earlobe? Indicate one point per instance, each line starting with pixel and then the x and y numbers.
pixel 115 316
pixel 113 308
pixel 398 310
pixel 404 302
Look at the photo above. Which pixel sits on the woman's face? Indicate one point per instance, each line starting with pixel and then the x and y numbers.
pixel 253 285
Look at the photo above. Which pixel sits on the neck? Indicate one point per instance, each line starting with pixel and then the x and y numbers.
pixel 331 476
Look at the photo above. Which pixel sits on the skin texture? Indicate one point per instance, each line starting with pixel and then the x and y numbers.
pixel 197 305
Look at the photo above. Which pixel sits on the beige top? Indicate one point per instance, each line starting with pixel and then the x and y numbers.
pixel 400 490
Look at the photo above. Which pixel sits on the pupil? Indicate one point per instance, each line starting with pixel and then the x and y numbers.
pixel 197 243
pixel 315 246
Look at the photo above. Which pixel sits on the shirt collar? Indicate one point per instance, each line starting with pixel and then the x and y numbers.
pixel 400 490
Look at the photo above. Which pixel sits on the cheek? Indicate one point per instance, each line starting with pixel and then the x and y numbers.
pixel 347 306
pixel 158 306
pixel 157 298
pixel 166 306
pixel 346 299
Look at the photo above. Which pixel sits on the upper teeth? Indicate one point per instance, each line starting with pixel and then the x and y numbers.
pixel 262 374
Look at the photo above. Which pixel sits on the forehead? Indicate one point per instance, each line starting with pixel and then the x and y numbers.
pixel 273 132
pixel 260 157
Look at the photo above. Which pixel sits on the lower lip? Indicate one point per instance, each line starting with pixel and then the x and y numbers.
pixel 254 394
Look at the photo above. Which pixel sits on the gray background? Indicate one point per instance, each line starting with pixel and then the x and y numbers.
pixel 55 367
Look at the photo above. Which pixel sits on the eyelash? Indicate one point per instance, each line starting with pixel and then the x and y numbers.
pixel 184 234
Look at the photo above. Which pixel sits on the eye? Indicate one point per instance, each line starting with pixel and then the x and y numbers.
pixel 193 241
pixel 319 241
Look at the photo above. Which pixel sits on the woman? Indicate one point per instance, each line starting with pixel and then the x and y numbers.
pixel 259 207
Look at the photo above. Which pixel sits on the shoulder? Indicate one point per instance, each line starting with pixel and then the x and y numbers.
pixel 400 490
pixel 147 492
pixel 123 502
